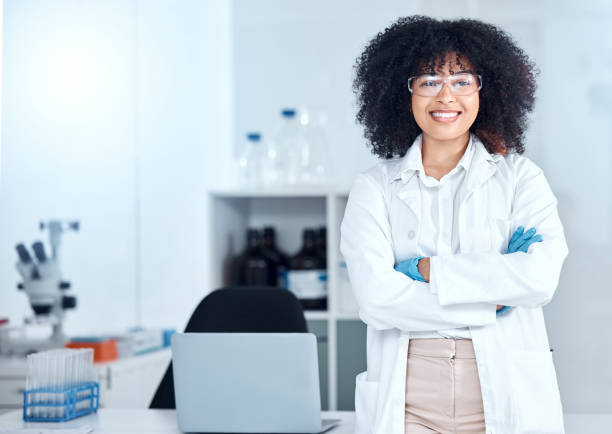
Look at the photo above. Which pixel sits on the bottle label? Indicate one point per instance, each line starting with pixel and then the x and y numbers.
pixel 307 284
pixel 281 276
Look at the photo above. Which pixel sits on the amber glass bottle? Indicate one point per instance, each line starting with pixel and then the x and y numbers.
pixel 252 267
pixel 278 272
pixel 307 277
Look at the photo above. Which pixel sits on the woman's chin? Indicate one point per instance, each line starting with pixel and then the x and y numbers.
pixel 445 133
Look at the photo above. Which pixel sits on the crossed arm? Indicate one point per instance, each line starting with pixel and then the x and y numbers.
pixel 423 267
pixel 520 241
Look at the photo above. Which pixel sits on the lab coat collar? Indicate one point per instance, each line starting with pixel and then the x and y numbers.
pixel 481 167
pixel 413 161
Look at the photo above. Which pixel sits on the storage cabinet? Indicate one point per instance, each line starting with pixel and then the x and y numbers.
pixel 319 329
pixel 232 212
pixel 351 350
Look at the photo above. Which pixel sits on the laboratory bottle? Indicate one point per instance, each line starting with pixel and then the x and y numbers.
pixel 251 267
pixel 307 277
pixel 278 274
pixel 287 151
pixel 228 264
pixel 251 161
pixel 321 243
pixel 316 161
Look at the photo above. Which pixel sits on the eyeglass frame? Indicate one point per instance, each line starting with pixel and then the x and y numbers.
pixel 445 81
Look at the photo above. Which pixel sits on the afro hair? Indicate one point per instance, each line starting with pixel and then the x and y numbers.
pixel 418 44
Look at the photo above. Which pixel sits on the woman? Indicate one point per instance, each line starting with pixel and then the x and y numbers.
pixel 433 236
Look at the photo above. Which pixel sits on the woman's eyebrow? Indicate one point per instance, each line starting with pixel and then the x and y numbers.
pixel 465 71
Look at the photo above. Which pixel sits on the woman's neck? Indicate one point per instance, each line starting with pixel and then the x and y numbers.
pixel 441 156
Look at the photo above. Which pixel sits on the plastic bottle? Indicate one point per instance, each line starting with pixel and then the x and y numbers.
pixel 251 161
pixel 287 151
pixel 316 164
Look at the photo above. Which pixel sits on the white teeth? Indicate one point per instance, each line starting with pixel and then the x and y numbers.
pixel 444 115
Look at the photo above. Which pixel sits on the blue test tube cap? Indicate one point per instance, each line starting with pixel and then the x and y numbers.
pixel 254 137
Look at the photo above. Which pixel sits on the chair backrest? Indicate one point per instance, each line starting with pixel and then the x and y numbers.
pixel 258 309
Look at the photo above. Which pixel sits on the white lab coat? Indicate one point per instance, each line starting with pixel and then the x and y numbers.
pixel 517 377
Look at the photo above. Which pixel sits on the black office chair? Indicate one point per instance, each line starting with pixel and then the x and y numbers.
pixel 261 309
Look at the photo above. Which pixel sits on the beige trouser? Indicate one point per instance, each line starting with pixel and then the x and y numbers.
pixel 442 388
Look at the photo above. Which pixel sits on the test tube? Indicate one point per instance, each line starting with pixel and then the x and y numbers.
pixel 44 364
pixel 37 396
pixel 52 362
pixel 59 397
pixel 80 370
pixel 75 364
pixel 85 374
pixel 90 365
pixel 59 366
pixel 33 385
pixel 29 383
pixel 89 372
pixel 50 383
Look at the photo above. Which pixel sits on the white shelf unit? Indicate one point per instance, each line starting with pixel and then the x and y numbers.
pixel 232 212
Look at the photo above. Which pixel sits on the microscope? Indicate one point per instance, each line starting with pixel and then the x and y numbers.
pixel 46 290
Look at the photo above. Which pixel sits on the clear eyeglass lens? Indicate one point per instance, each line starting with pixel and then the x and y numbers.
pixel 430 85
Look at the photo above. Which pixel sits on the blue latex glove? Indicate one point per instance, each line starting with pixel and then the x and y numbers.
pixel 409 268
pixel 503 309
pixel 520 241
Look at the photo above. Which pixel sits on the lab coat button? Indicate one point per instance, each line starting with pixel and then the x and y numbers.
pixel 411 234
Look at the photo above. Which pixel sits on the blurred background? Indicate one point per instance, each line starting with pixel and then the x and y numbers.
pixel 131 117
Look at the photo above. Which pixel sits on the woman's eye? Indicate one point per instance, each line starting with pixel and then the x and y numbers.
pixel 429 83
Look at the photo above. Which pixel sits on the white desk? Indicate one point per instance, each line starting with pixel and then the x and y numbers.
pixel 122 421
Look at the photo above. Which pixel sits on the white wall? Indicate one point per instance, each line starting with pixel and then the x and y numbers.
pixel 115 113
pixel 303 52
pixel 1 20
pixel 184 123
pixel 67 130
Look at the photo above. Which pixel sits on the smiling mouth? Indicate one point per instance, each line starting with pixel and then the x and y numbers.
pixel 445 116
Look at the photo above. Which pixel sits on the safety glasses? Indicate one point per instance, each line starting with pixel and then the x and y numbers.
pixel 431 85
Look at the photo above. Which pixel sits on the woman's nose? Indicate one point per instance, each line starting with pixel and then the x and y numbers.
pixel 445 94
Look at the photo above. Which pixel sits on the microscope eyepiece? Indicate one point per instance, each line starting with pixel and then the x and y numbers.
pixel 39 252
pixel 24 255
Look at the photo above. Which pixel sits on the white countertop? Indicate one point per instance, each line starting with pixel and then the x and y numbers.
pixel 120 421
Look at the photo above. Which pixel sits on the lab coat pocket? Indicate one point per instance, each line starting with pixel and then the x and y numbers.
pixel 499 231
pixel 366 397
pixel 536 392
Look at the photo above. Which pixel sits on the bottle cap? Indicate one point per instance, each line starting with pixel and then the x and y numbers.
pixel 254 137
pixel 288 113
